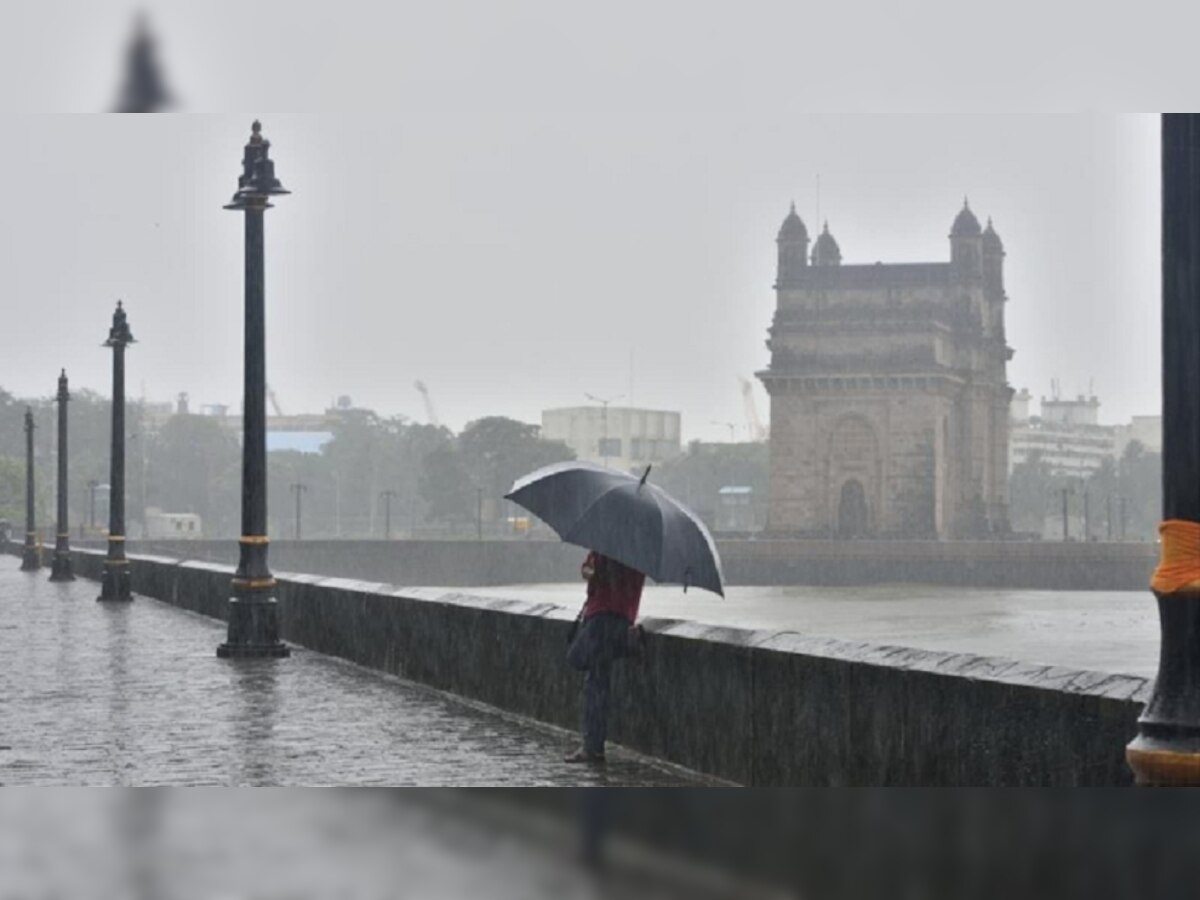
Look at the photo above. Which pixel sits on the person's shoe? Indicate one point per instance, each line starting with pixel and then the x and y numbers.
pixel 635 642
pixel 582 756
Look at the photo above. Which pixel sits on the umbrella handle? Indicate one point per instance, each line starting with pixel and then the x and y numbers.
pixel 645 475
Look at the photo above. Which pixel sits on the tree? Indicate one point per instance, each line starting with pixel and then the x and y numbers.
pixel 496 451
pixel 195 464
pixel 446 487
pixel 696 477
pixel 1032 493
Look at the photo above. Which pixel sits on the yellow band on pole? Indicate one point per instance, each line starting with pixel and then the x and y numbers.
pixel 1179 563
pixel 254 539
pixel 116 537
pixel 255 582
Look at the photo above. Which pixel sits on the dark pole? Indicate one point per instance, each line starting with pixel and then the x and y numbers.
pixel 1122 506
pixel 114 584
pixel 253 612
pixel 1108 518
pixel 298 489
pixel 61 567
pixel 1166 750
pixel 1087 517
pixel 1066 530
pixel 92 485
pixel 31 560
pixel 479 514
pixel 387 514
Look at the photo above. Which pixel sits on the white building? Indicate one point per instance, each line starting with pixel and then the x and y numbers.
pixel 183 526
pixel 1069 437
pixel 621 437
pixel 1146 430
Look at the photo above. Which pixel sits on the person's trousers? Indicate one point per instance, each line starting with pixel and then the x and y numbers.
pixel 601 639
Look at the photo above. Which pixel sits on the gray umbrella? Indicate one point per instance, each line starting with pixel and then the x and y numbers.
pixel 624 518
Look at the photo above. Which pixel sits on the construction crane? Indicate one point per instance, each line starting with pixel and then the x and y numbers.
pixel 430 414
pixel 274 402
pixel 753 423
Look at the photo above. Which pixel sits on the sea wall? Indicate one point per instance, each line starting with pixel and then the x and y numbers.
pixel 753 707
pixel 1035 565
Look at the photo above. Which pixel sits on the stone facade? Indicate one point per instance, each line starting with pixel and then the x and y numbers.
pixel 889 392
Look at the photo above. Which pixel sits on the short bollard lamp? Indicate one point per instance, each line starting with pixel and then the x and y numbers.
pixel 114 584
pixel 253 611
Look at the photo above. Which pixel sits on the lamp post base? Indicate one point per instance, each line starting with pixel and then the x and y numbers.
pixel 31 559
pixel 60 568
pixel 253 630
pixel 114 585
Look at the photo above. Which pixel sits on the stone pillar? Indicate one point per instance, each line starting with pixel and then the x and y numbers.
pixel 253 611
pixel 31 559
pixel 61 568
pixel 1166 750
pixel 114 584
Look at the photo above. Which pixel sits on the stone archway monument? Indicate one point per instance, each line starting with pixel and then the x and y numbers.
pixel 1166 750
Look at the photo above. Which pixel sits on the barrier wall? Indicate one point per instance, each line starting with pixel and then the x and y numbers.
pixel 754 707
pixel 1006 564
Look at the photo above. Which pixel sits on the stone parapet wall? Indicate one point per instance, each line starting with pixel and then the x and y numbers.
pixel 1035 565
pixel 753 707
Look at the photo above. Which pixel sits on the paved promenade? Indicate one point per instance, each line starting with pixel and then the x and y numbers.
pixel 133 694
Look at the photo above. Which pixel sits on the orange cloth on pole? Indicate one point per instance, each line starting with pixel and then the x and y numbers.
pixel 1179 564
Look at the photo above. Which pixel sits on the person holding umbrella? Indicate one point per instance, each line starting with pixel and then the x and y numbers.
pixel 634 530
pixel 606 632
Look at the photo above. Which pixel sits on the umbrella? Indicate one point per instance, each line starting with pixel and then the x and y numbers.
pixel 624 518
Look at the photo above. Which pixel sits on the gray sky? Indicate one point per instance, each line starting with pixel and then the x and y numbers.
pixel 510 223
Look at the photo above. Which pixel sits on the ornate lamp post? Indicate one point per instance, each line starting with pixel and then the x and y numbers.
pixel 61 568
pixel 114 584
pixel 31 560
pixel 253 612
pixel 1167 747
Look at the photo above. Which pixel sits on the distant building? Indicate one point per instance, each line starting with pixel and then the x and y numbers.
pixel 177 526
pixel 1068 437
pixel 1146 430
pixel 889 390
pixel 620 437
pixel 298 441
pixel 738 510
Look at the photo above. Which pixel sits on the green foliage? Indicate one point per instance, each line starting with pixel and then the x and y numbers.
pixel 496 451
pixel 696 477
pixel 12 492
pixel 1034 494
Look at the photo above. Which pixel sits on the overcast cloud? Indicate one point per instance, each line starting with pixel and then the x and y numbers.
pixel 514 206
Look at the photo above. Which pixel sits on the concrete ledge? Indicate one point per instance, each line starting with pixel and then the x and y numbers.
pixel 755 707
pixel 1042 565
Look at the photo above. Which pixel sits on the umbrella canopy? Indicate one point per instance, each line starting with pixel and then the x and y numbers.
pixel 625 518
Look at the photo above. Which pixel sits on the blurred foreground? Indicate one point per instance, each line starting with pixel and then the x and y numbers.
pixel 448 843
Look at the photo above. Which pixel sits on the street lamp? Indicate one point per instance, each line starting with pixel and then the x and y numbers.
pixel 61 568
pixel 115 582
pixel 1067 491
pixel 387 513
pixel 604 421
pixel 298 488
pixel 253 612
pixel 1166 750
pixel 31 560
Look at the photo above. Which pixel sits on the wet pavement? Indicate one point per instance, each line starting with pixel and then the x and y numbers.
pixel 133 694
pixel 1104 631
pixel 294 845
